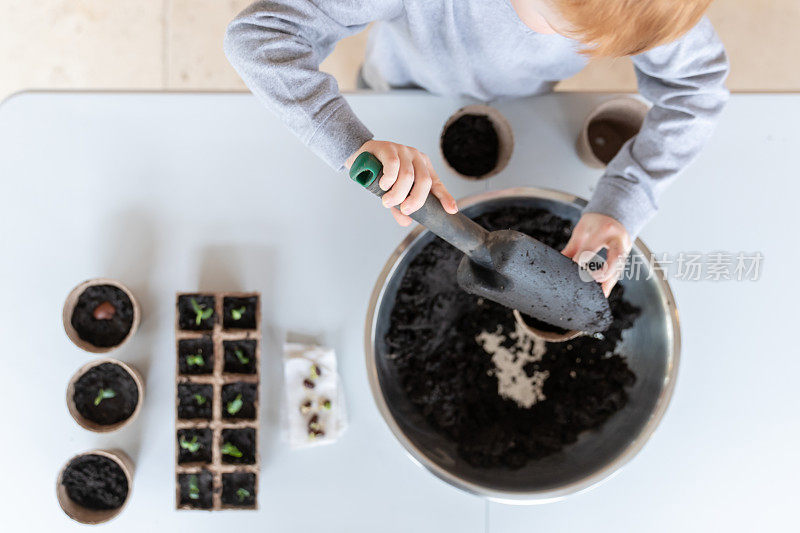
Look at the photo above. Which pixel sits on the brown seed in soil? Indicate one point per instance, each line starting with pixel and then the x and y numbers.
pixel 104 311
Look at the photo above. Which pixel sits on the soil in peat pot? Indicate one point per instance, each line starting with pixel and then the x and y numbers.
pixel 106 394
pixel 471 146
pixel 238 400
pixel 240 356
pixel 606 137
pixel 239 489
pixel 95 482
pixel 103 315
pixel 196 312
pixel 194 446
pixel 239 313
pixel 196 356
pixel 196 490
pixel 195 401
pixel 238 446
pixel 463 362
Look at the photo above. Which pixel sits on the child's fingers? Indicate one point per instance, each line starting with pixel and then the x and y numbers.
pixel 440 191
pixel 405 180
pixel 420 189
pixel 401 219
pixel 615 259
pixel 390 160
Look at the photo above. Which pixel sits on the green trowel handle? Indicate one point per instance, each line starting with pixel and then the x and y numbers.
pixel 456 229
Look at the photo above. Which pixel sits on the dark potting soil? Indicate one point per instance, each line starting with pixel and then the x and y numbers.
pixel 449 377
pixel 194 400
pixel 105 331
pixel 113 387
pixel 239 313
pixel 244 440
pixel 239 489
pixel 95 482
pixel 606 137
pixel 471 146
pixel 196 356
pixel 242 363
pixel 188 440
pixel 188 316
pixel 196 489
pixel 247 408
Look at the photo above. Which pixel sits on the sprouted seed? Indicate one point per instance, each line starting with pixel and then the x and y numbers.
pixel 242 494
pixel 190 445
pixel 326 404
pixel 236 405
pixel 241 356
pixel 200 399
pixel 315 371
pixel 230 449
pixel 200 312
pixel 237 314
pixel 195 360
pixel 103 394
pixel 194 488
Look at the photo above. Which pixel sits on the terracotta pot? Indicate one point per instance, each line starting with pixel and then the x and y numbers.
pixel 94 426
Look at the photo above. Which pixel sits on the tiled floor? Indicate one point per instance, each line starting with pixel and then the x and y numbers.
pixel 176 44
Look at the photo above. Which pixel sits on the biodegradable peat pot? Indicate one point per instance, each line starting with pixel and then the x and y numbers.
pixel 94 486
pixel 105 395
pixel 100 315
pixel 476 142
pixel 608 128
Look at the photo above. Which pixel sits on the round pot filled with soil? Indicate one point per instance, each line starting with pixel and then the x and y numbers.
pixel 477 142
pixel 105 395
pixel 100 315
pixel 606 130
pixel 493 410
pixel 94 487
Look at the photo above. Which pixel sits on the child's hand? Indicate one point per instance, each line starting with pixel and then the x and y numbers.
pixel 593 233
pixel 408 177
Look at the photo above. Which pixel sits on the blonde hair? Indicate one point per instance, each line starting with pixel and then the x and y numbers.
pixel 614 28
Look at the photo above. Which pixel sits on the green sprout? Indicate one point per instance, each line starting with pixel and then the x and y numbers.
pixel 103 394
pixel 326 404
pixel 191 445
pixel 195 360
pixel 241 356
pixel 315 371
pixel 194 488
pixel 237 314
pixel 200 311
pixel 242 494
pixel 236 405
pixel 200 399
pixel 230 449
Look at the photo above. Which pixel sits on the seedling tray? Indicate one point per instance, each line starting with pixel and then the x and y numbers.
pixel 220 377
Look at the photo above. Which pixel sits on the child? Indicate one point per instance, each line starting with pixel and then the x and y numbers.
pixel 488 49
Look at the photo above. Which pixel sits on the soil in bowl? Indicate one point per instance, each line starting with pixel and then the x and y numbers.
pixel 471 145
pixel 195 401
pixel 196 489
pixel 196 356
pixel 106 394
pixel 239 489
pixel 443 342
pixel 196 312
pixel 240 356
pixel 239 312
pixel 103 315
pixel 238 401
pixel 606 137
pixel 238 446
pixel 194 446
pixel 95 482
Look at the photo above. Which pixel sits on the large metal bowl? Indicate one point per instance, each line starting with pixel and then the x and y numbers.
pixel 652 348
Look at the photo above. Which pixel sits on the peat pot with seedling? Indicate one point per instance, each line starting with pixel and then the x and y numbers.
pixel 105 395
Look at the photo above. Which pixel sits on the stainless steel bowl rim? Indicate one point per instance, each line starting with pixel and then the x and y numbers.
pixel 518 497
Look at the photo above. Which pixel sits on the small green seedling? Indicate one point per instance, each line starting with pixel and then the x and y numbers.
pixel 195 360
pixel 326 404
pixel 191 445
pixel 194 488
pixel 237 314
pixel 241 356
pixel 200 399
pixel 236 405
pixel 315 371
pixel 200 312
pixel 230 449
pixel 242 494
pixel 103 394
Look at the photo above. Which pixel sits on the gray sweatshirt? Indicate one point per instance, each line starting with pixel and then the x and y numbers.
pixel 480 49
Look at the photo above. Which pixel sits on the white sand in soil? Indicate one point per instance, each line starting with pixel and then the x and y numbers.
pixel 509 365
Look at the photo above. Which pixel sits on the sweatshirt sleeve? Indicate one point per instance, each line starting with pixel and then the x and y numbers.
pixel 685 81
pixel 277 47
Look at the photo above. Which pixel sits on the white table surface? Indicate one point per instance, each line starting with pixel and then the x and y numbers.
pixel 171 192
